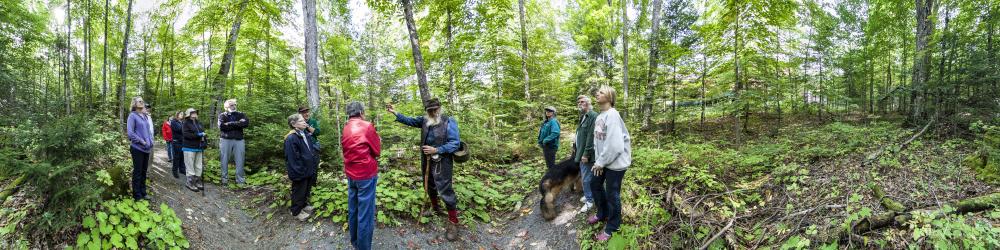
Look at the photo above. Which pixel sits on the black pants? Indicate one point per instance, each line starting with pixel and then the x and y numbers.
pixel 301 191
pixel 549 153
pixel 140 163
pixel 178 163
pixel 438 182
pixel 607 190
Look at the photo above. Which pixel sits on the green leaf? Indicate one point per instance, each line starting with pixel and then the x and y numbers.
pixel 82 239
pixel 88 222
pixel 131 243
pixel 116 240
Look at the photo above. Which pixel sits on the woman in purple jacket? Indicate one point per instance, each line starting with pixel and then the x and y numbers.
pixel 141 144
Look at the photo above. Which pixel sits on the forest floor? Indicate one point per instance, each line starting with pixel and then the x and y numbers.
pixel 222 218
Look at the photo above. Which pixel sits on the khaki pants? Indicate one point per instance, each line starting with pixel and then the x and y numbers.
pixel 193 163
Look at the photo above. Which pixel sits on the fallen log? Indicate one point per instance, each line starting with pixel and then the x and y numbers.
pixel 887 203
pixel 11 188
pixel 892 218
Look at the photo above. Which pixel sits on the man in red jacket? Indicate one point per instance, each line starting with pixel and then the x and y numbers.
pixel 168 136
pixel 362 147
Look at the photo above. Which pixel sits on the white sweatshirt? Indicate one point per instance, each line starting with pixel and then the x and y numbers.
pixel 612 142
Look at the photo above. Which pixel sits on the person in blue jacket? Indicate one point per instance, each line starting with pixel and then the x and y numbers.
pixel 439 141
pixel 548 137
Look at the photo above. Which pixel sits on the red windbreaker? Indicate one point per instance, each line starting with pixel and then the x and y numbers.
pixel 362 146
pixel 167 133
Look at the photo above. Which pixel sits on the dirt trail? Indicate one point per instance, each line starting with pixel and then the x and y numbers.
pixel 216 219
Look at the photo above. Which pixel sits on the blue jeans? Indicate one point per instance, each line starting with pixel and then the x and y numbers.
pixel 586 176
pixel 608 199
pixel 361 211
pixel 170 150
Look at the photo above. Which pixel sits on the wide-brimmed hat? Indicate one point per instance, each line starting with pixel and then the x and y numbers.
pixel 190 111
pixel 303 109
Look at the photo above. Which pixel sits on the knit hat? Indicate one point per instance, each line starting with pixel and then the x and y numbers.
pixel 433 103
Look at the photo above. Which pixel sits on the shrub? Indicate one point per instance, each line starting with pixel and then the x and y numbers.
pixel 127 224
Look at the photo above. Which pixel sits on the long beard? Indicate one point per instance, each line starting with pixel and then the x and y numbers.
pixel 431 121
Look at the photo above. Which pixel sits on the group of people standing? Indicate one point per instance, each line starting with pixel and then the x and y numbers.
pixel 362 146
pixel 186 141
pixel 604 151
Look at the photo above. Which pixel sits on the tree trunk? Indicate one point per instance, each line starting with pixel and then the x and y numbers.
pixel 418 58
pixel 173 85
pixel 67 89
pixel 312 70
pixel 123 69
pixel 625 26
pixel 921 61
pixel 524 50
pixel 104 67
pixel 704 73
pixel 452 91
pixel 654 59
pixel 88 84
pixel 145 73
pixel 250 74
pixel 736 71
pixel 163 58
pixel 219 83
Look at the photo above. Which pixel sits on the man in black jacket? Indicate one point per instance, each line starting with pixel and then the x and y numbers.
pixel 231 125
pixel 301 161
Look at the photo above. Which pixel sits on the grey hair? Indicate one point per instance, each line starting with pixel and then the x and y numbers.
pixel 292 119
pixel 229 103
pixel 355 108
pixel 584 98
pixel 136 100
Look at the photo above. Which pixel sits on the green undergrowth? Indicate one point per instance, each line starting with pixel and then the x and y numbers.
pixel 986 161
pixel 127 224
pixel 733 178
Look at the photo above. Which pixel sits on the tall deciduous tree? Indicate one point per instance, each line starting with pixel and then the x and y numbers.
pixel 122 71
pixel 524 50
pixel 312 70
pixel 654 59
pixel 219 83
pixel 418 58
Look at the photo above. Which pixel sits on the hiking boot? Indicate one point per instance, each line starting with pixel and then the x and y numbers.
pixel 175 174
pixel 583 199
pixel 586 206
pixel 303 216
pixel 201 183
pixel 308 209
pixel 190 184
pixel 451 231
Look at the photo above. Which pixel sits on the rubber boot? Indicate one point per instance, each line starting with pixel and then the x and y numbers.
pixel 451 229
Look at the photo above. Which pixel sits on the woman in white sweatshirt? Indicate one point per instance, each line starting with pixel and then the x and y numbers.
pixel 613 150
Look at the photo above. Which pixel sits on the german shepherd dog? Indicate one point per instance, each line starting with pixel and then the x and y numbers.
pixel 564 175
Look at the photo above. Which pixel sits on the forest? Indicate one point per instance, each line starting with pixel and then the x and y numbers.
pixel 754 124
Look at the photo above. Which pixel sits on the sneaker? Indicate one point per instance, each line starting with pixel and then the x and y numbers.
pixel 602 237
pixel 308 209
pixel 303 216
pixel 594 220
pixel 583 199
pixel 586 206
